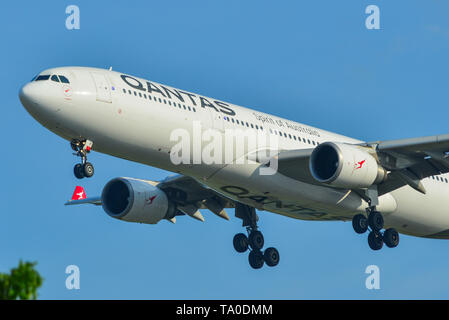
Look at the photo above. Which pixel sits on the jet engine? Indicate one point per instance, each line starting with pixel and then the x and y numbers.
pixel 136 200
pixel 345 166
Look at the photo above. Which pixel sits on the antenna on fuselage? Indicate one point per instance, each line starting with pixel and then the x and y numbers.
pixel 110 68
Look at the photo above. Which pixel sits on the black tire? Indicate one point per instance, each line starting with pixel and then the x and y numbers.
pixel 360 223
pixel 375 240
pixel 88 170
pixel 78 171
pixel 256 240
pixel 271 257
pixel 391 238
pixel 375 221
pixel 240 242
pixel 255 259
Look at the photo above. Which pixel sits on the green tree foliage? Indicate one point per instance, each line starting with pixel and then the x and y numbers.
pixel 22 283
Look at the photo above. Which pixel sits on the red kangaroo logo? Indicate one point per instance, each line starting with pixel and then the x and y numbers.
pixel 150 201
pixel 359 164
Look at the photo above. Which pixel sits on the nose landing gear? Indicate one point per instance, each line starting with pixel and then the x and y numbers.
pixel 254 241
pixel 82 148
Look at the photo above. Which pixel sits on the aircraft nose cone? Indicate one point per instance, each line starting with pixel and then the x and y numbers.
pixel 28 96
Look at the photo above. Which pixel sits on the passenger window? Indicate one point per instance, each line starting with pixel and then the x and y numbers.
pixel 63 79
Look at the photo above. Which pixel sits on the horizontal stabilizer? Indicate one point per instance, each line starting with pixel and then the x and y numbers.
pixel 92 200
pixel 79 197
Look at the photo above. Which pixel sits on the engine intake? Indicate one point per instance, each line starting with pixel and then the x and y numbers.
pixel 346 166
pixel 136 200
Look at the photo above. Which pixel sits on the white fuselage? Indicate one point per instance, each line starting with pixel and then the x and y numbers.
pixel 134 119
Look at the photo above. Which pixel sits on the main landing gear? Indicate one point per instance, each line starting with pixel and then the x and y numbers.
pixel 375 223
pixel 82 148
pixel 254 241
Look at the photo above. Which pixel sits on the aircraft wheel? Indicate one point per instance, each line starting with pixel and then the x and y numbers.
pixel 375 220
pixel 256 240
pixel 256 259
pixel 391 238
pixel 375 241
pixel 271 257
pixel 360 223
pixel 88 170
pixel 78 171
pixel 240 242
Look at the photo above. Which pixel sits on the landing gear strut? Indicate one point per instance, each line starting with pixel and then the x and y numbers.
pixel 82 148
pixel 254 241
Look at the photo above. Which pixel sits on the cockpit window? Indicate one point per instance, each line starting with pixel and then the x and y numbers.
pixel 43 77
pixel 54 78
pixel 64 79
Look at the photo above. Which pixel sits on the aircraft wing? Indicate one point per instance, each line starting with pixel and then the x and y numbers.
pixel 408 161
pixel 295 164
pixel 413 159
pixel 188 192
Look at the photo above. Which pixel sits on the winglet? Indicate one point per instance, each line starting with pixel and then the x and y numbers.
pixel 79 193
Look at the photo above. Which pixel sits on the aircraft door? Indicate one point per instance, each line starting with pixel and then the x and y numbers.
pixel 103 87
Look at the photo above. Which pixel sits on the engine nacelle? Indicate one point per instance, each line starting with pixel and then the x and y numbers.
pixel 136 200
pixel 345 166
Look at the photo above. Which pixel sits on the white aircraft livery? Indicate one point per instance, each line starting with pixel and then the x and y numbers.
pixel 229 157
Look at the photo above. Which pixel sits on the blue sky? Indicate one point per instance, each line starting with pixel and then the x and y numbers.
pixel 313 62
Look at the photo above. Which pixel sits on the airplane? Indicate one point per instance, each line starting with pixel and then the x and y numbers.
pixel 383 187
